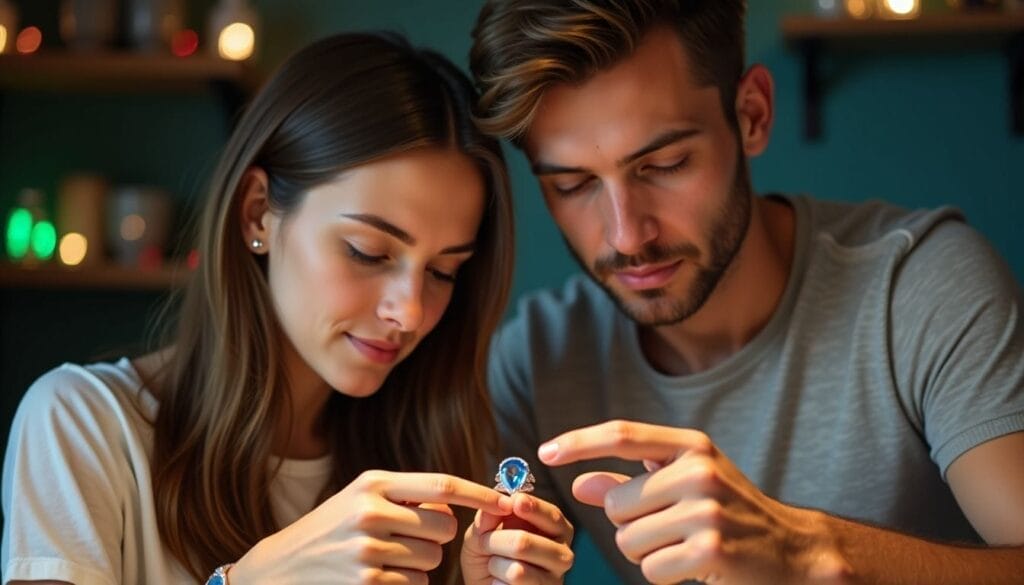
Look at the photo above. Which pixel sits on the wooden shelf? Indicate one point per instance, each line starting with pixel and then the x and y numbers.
pixel 802 27
pixel 810 34
pixel 51 276
pixel 103 71
pixel 129 72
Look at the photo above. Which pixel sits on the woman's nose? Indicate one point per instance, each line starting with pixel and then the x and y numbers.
pixel 402 303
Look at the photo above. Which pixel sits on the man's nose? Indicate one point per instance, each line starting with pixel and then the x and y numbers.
pixel 629 223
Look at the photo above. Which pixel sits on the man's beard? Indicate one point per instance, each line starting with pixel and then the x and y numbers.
pixel 726 236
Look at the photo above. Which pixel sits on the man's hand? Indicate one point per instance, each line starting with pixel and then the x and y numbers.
pixel 694 515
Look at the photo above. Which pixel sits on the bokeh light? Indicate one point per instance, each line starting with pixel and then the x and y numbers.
pixel 44 240
pixel 133 227
pixel 73 248
pixel 236 41
pixel 29 40
pixel 184 43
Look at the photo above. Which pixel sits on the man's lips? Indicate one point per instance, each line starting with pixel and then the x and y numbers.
pixel 382 352
pixel 648 276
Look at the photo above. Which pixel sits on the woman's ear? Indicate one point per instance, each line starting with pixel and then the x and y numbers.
pixel 755 109
pixel 255 209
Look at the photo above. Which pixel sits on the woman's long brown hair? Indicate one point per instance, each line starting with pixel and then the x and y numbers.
pixel 340 102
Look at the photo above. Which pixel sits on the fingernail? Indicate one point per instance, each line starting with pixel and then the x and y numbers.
pixel 505 503
pixel 548 452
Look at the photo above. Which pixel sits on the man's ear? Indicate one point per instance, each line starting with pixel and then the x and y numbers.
pixel 255 209
pixel 755 109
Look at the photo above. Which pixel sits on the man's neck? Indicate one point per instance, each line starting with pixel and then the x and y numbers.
pixel 740 306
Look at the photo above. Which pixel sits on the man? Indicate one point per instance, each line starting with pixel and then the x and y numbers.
pixel 747 389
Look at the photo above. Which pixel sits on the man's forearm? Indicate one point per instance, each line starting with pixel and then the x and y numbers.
pixel 877 556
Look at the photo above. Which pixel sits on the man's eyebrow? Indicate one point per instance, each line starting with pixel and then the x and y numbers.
pixel 670 137
pixel 542 168
pixel 383 225
pixel 391 229
pixel 659 142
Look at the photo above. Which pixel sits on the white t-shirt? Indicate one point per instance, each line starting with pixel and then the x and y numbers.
pixel 77 485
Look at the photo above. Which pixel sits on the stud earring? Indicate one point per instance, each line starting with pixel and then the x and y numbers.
pixel 257 244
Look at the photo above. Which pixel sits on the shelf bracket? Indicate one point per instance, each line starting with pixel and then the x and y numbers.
pixel 1016 55
pixel 811 51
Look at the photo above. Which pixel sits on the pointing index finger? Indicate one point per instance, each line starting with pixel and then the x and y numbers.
pixel 628 440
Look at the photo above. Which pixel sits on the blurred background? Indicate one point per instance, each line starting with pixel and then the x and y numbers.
pixel 112 114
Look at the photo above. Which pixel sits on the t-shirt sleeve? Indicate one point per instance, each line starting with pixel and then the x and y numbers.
pixel 958 341
pixel 510 383
pixel 64 481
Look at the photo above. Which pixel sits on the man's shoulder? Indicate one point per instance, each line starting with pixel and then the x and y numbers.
pixel 578 301
pixel 864 224
pixel 579 309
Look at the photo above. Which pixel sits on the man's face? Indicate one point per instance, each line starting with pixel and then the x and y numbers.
pixel 646 179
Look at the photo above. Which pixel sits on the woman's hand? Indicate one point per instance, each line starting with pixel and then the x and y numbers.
pixel 373 531
pixel 529 546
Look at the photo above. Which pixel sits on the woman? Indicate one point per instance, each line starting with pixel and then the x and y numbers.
pixel 322 396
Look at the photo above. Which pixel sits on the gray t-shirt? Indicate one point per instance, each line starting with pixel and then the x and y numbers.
pixel 898 345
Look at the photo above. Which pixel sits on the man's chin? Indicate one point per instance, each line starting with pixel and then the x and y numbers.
pixel 653 313
pixel 647 307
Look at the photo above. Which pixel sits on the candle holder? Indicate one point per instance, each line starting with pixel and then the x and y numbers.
pixel 88 25
pixel 859 9
pixel 29 234
pixel 81 202
pixel 152 24
pixel 138 225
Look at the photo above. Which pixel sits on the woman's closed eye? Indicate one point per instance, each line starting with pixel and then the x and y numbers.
pixel 363 257
pixel 443 276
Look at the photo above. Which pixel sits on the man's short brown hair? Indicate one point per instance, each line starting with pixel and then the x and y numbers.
pixel 522 47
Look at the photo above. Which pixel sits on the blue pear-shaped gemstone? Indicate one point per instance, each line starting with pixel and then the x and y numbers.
pixel 513 473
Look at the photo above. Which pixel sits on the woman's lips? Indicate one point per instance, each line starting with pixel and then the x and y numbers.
pixel 648 277
pixel 381 352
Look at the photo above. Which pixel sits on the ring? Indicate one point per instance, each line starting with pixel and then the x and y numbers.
pixel 514 476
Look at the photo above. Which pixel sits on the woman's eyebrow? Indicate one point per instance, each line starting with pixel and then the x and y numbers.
pixel 383 225
pixel 405 237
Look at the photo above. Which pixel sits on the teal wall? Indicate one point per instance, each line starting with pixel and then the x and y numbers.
pixel 918 124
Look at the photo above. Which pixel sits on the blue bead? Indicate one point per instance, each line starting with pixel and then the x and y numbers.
pixel 513 473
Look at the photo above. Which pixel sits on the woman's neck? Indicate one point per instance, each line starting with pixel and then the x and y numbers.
pixel 305 435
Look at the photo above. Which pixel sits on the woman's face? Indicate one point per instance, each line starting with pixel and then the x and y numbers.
pixel 364 268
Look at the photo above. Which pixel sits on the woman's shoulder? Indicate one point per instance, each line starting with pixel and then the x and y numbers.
pixel 91 392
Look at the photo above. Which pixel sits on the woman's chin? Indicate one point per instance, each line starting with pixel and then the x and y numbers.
pixel 356 390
